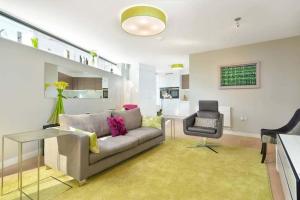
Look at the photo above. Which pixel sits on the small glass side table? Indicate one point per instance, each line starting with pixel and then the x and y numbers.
pixel 173 119
pixel 25 137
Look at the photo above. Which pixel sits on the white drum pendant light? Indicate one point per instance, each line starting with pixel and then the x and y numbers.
pixel 143 20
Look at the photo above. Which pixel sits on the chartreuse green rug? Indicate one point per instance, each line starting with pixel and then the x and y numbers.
pixel 169 171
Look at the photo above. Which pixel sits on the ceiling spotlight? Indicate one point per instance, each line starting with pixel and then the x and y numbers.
pixel 237 21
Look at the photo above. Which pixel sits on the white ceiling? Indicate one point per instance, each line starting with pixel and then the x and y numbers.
pixel 193 25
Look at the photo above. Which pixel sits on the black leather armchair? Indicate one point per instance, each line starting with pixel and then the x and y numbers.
pixel 207 109
pixel 270 135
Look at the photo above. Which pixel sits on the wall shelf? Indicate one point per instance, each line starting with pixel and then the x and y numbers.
pixel 12 28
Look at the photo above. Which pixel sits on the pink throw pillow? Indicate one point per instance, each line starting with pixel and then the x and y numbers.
pixel 117 126
pixel 130 106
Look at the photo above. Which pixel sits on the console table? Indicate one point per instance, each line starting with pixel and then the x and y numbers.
pixel 288 165
pixel 25 137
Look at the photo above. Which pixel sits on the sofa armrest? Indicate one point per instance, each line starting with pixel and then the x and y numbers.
pixel 189 121
pixel 75 146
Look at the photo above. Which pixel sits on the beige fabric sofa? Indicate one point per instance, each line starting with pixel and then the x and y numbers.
pixel 73 155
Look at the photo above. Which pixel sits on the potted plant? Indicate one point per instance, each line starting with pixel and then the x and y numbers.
pixel 35 42
pixel 59 108
pixel 94 57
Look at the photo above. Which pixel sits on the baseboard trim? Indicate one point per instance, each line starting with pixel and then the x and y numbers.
pixel 239 133
pixel 14 160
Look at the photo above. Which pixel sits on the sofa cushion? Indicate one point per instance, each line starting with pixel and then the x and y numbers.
pixel 202 129
pixel 112 145
pixel 154 122
pixel 81 122
pixel 88 122
pixel 99 121
pixel 144 134
pixel 132 118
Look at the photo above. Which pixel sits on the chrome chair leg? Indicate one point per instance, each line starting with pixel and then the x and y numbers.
pixel 205 145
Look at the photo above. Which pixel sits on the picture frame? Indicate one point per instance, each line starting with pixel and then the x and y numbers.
pixel 239 76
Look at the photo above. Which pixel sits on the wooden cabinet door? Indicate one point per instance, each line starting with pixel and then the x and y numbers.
pixel 81 83
pixel 98 83
pixel 185 80
pixel 89 83
pixel 67 79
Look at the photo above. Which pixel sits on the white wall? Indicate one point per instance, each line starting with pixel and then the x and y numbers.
pixel 169 79
pixel 141 88
pixel 147 90
pixel 50 76
pixel 270 106
pixel 132 85
pixel 23 105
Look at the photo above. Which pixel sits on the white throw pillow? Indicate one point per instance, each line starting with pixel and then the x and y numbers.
pixel 205 122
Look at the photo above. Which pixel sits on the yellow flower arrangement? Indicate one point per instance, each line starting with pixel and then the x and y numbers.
pixel 59 108
pixel 60 85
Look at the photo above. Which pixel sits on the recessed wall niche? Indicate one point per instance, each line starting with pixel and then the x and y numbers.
pixel 81 84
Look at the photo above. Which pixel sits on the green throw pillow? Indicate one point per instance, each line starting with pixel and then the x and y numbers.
pixel 94 147
pixel 153 122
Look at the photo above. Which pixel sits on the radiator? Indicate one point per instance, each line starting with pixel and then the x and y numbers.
pixel 226 111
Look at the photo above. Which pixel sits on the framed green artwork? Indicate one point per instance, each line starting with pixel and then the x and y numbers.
pixel 239 76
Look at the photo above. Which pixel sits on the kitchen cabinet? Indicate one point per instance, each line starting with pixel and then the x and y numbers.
pixel 185 81
pixel 81 83
pixel 67 79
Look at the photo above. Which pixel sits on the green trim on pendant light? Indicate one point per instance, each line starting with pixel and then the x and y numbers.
pixel 177 66
pixel 143 11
